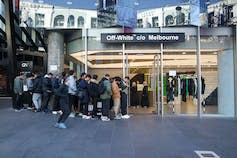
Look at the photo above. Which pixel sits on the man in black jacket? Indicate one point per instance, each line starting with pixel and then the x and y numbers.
pixel 47 91
pixel 37 92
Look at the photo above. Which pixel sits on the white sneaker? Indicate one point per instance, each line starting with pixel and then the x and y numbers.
pixel 125 117
pixel 60 112
pixel 72 115
pixel 16 110
pixel 54 112
pixel 118 117
pixel 103 118
pixel 86 117
pixel 80 114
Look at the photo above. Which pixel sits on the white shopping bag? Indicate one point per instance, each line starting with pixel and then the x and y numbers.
pixel 90 107
pixel 99 105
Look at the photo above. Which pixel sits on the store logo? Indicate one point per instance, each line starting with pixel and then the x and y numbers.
pixel 24 65
pixel 143 37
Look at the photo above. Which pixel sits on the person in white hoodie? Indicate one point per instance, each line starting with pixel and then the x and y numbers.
pixel 72 89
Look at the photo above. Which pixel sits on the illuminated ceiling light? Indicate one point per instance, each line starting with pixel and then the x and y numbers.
pixel 215 53
pixel 136 3
pixel 184 53
pixel 69 3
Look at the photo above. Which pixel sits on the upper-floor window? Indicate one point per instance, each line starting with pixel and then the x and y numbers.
pixel 39 20
pixel 139 23
pixel 71 21
pixel 59 21
pixel 155 22
pixel 93 22
pixel 80 21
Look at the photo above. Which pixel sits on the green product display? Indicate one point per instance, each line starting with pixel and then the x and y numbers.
pixel 186 87
pixel 164 85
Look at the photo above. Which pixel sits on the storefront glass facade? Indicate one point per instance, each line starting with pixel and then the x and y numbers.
pixel 179 67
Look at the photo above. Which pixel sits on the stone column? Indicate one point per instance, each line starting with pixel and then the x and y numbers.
pixel 55 52
pixel 235 69
pixel 226 83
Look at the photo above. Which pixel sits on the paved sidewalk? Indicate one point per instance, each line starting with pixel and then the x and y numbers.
pixel 32 135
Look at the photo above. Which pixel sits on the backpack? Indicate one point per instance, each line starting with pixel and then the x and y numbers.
pixel 93 89
pixel 101 87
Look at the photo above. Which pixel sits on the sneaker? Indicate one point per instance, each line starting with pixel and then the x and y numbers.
pixel 86 117
pixel 46 111
pixel 60 112
pixel 56 125
pixel 72 115
pixel 118 117
pixel 18 110
pixel 30 108
pixel 37 110
pixel 80 114
pixel 125 117
pixel 62 126
pixel 103 118
pixel 54 112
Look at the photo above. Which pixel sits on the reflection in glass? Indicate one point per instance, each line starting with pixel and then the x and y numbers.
pixel 155 22
pixel 93 22
pixel 80 21
pixel 59 21
pixel 39 20
pixel 169 20
pixel 71 21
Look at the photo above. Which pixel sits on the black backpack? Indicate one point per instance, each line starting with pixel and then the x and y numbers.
pixel 101 87
pixel 93 89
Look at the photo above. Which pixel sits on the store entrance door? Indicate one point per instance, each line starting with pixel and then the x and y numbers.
pixel 144 70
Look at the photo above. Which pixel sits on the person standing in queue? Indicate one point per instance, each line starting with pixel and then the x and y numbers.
pixel 124 85
pixel 116 97
pixel 47 91
pixel 18 91
pixel 72 89
pixel 105 97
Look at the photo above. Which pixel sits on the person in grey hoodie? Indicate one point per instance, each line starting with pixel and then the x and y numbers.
pixel 18 90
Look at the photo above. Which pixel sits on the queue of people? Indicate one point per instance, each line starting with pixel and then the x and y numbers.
pixel 85 97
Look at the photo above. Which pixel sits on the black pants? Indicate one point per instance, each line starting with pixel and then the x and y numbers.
pixel 73 102
pixel 56 106
pixel 18 104
pixel 28 98
pixel 105 107
pixel 66 112
pixel 46 98
pixel 124 103
pixel 94 103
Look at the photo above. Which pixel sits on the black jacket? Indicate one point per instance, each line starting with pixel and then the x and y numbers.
pixel 47 85
pixel 37 85
pixel 62 92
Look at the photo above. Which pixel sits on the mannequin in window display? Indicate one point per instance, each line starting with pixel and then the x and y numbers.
pixel 134 95
pixel 145 100
pixel 180 16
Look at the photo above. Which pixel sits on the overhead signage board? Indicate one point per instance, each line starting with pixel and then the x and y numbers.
pixel 142 37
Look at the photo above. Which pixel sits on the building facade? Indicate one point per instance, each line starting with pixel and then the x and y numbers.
pixel 73 37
